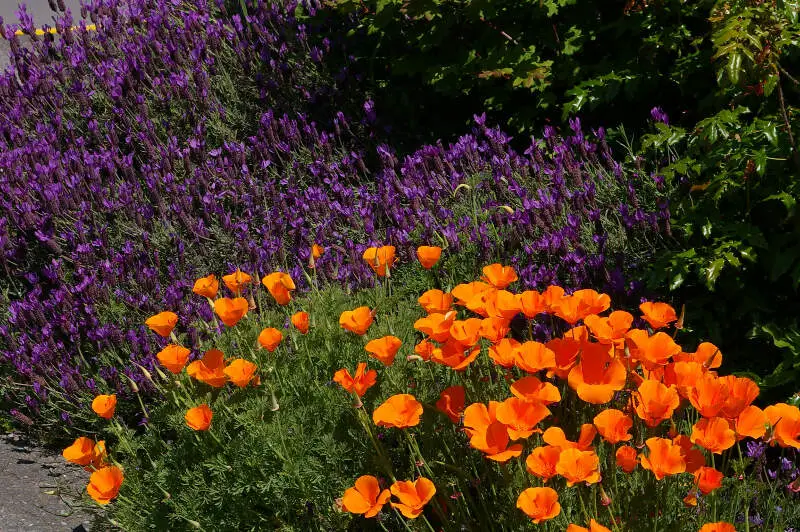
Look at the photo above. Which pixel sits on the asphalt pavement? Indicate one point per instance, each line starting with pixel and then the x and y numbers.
pixel 39 9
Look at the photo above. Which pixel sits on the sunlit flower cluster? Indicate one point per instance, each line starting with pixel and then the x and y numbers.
pixel 627 367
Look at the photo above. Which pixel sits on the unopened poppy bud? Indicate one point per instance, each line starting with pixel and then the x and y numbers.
pixel 274 400
pixel 146 373
pixel 252 302
pixel 160 373
pixel 605 500
pixel 415 358
pixel 194 524
pixel 508 209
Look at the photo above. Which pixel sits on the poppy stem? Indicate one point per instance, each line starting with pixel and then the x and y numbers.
pixel 583 505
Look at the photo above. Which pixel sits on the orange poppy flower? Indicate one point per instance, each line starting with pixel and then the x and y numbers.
pixel 359 384
pixel 466 291
pixel 534 356
pixel 502 304
pixel 270 338
pixel 236 281
pixel 162 323
pixel 658 315
pixel 436 301
pixel 626 458
pixel 365 497
pixel 104 484
pixel 597 376
pixel 531 303
pixel 494 329
pixel 499 276
pixel 210 369
pixel 542 462
pixel 540 504
pixel 609 329
pixel 451 402
pixel 454 355
pixel 555 436
pixel 655 402
pixel 380 259
pixel 504 352
pixel 466 332
pixel 751 422
pixel 578 466
pixel 436 325
pixel 356 321
pixel 300 321
pixel 741 392
pixel 566 351
pixel 206 286
pixel 487 434
pixel 709 395
pixel 484 303
pixel 531 389
pixel 720 526
pixel 99 455
pixel 424 349
pixel 173 357
pixel 551 297
pixel 230 311
pixel 280 285
pixel 708 354
pixel 477 417
pixel 594 526
pixel 384 349
pixel 104 405
pixel 520 417
pixel 685 375
pixel 665 458
pixel 707 479
pixel 428 256
pixel 240 372
pixel 399 411
pixel 653 350
pixel 569 309
pixel 81 451
pixel 317 251
pixel 591 301
pixel 713 434
pixel 694 457
pixel 413 496
pixel 613 425
pixel 785 421
pixel 199 417
pixel 579 305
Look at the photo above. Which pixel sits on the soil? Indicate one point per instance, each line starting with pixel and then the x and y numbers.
pixel 39 490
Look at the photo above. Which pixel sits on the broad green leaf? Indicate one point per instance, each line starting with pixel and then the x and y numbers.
pixel 713 271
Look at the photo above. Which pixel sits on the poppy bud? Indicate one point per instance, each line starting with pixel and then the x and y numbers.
pixel 605 500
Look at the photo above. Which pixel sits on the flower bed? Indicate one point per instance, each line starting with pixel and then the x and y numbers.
pixel 445 417
pixel 130 170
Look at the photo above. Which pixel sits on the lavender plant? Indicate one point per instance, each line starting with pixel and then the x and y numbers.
pixel 178 140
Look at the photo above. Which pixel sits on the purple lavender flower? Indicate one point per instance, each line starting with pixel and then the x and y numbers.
pixel 658 114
